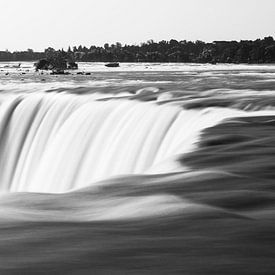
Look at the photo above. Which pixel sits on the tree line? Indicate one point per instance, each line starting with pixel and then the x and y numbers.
pixel 244 51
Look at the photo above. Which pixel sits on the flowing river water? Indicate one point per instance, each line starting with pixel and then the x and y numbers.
pixel 142 169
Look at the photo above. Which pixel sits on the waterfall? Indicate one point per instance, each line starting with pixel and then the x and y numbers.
pixel 58 142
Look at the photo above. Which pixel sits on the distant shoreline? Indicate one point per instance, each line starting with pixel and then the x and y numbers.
pixel 149 62
pixel 260 51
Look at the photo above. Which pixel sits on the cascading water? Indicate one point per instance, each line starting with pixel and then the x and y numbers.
pixel 59 142
pixel 150 172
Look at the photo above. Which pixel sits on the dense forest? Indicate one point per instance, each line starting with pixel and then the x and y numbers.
pixel 245 51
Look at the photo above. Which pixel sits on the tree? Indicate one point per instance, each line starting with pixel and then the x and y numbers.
pixel 106 46
pixel 118 45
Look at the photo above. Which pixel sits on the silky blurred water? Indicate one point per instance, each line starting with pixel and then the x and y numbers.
pixel 141 169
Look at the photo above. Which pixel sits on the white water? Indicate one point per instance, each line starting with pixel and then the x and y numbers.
pixel 58 142
pixel 141 67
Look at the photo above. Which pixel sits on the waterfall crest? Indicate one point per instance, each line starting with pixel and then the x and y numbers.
pixel 58 142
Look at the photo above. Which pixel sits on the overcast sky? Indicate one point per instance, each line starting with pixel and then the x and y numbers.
pixel 38 24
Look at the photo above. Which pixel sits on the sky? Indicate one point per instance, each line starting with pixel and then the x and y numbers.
pixel 38 24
